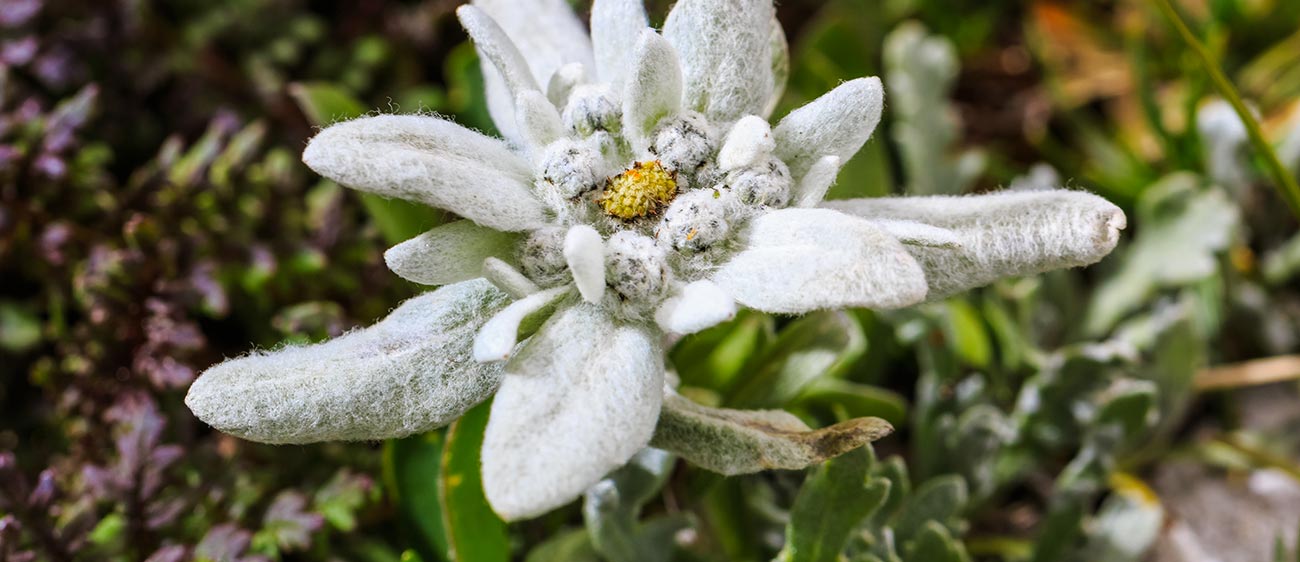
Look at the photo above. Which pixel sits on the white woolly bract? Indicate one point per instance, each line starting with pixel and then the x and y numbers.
pixel 580 399
pixel 449 253
pixel 726 54
pixel 780 65
pixel 431 161
pixel 748 143
pixel 547 34
pixel 918 234
pixel 411 372
pixel 1002 234
pixel 838 123
pixel 732 442
pixel 584 251
pixel 811 190
pixel 538 120
pixel 653 89
pixel 700 305
pixel 565 79
pixel 495 46
pixel 613 22
pixel 507 278
pixel 800 260
pixel 497 339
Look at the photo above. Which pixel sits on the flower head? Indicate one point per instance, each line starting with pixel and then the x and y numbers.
pixel 641 192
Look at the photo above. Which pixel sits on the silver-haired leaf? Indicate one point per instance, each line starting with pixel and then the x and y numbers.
pixel 734 442
pixel 409 373
pixel 800 260
pixel 613 22
pixel 431 161
pixel 548 35
pixel 780 66
pixel 450 253
pixel 654 87
pixel 836 124
pixel 1002 234
pixel 725 48
pixel 578 401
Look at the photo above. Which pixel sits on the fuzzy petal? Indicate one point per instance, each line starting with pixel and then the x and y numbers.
pixel 495 46
pixel 612 23
pixel 732 442
pixel 538 120
pixel 409 373
pixel 449 253
pixel 726 51
pixel 564 81
pixel 780 66
pixel 838 123
pixel 748 142
pixel 914 233
pixel 1002 234
pixel 580 399
pixel 812 189
pixel 654 86
pixel 498 337
pixel 701 304
pixel 585 253
pixel 548 35
pixel 800 260
pixel 431 161
pixel 508 278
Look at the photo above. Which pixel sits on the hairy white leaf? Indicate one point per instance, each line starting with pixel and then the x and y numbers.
pixel 800 260
pixel 1002 234
pixel 701 304
pixel 409 373
pixel 613 22
pixel 579 400
pixel 432 161
pixel 449 253
pixel 654 87
pixel 838 123
pixel 726 51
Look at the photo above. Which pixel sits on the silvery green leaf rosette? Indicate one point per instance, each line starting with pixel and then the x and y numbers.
pixel 640 194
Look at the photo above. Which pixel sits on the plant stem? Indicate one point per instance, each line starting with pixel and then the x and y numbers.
pixel 1286 184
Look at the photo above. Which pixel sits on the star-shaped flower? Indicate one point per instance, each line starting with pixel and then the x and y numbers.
pixel 641 194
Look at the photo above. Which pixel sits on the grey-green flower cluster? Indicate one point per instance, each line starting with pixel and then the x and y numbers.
pixel 641 193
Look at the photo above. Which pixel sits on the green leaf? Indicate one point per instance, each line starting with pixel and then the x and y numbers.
pixel 569 546
pixel 940 499
pixel 935 544
pixel 813 346
pixel 1063 526
pixel 893 469
pixel 833 500
pixel 965 331
pixel 1185 225
pixel 20 328
pixel 474 532
pixel 411 476
pixel 324 103
pixel 715 357
pixel 857 400
pixel 612 505
pixel 400 220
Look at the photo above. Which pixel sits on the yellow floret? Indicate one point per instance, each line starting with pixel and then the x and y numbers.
pixel 640 190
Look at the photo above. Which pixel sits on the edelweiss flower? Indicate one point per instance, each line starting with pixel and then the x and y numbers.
pixel 642 195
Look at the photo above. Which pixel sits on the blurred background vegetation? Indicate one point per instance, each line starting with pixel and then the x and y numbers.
pixel 155 218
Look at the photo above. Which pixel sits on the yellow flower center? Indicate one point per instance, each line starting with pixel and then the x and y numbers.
pixel 643 189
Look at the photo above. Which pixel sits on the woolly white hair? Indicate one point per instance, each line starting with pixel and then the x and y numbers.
pixel 641 192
